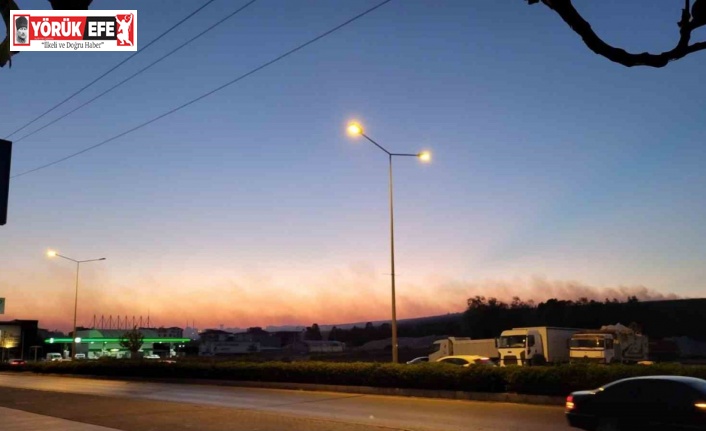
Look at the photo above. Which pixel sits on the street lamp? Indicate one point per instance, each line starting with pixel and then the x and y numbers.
pixel 52 253
pixel 354 129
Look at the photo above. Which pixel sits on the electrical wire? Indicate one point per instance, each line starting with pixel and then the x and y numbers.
pixel 113 68
pixel 203 96
pixel 137 73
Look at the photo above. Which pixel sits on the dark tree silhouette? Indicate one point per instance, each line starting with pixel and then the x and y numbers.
pixel 70 4
pixel 132 340
pixel 313 333
pixel 691 18
pixel 487 318
pixel 7 5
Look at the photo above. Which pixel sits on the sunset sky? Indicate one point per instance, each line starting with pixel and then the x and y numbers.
pixel 555 172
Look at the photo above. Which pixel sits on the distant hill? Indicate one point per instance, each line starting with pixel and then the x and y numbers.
pixel 400 322
pixel 658 319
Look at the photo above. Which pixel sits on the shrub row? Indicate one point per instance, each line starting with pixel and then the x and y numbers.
pixel 551 380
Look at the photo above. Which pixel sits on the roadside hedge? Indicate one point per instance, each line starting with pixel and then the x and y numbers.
pixel 549 380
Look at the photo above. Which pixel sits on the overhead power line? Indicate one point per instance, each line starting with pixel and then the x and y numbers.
pixel 113 68
pixel 203 96
pixel 136 73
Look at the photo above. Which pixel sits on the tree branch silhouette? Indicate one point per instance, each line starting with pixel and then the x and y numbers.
pixel 690 20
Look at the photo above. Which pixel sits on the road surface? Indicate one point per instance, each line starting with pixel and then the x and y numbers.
pixel 138 406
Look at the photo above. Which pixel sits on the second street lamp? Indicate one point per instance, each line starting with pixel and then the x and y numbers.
pixel 355 129
pixel 52 253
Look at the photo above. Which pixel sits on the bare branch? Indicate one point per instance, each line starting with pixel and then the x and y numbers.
pixel 580 26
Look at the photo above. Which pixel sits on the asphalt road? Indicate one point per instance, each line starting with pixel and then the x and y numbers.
pixel 138 406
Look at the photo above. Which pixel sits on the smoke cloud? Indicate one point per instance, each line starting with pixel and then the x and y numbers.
pixel 351 294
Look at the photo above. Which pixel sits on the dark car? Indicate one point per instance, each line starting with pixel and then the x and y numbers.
pixel 17 362
pixel 641 403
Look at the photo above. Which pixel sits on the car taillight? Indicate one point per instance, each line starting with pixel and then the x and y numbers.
pixel 570 402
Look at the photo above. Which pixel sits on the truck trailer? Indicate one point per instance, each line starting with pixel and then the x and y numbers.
pixel 535 346
pixel 463 346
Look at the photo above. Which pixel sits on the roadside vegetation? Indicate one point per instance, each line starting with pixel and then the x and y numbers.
pixel 550 380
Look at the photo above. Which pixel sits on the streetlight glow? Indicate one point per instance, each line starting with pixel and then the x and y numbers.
pixel 51 253
pixel 355 129
pixel 425 156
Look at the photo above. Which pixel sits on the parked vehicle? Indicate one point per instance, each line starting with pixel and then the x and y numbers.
pixel 640 403
pixel 610 344
pixel 16 362
pixel 463 346
pixel 419 360
pixel 151 357
pixel 466 360
pixel 535 346
pixel 80 356
pixel 54 357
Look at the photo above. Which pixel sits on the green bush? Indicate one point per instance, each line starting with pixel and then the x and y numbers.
pixel 550 380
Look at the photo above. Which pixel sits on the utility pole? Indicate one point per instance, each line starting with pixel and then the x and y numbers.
pixel 2 346
pixel 5 158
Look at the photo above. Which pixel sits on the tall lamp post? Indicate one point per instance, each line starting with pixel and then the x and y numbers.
pixel 355 129
pixel 52 253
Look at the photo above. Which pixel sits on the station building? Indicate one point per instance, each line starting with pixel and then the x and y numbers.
pixel 98 343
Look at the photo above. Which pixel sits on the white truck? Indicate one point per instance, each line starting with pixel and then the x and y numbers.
pixel 463 346
pixel 535 346
pixel 610 344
